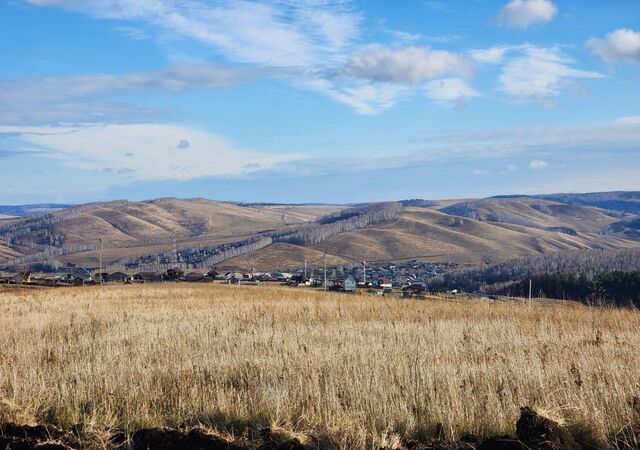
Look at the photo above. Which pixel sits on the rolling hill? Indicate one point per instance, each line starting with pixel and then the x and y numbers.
pixel 137 228
pixel 468 232
pixel 432 235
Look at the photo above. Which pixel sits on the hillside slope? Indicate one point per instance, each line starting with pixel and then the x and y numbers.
pixel 468 232
pixel 140 227
pixel 431 235
pixel 6 252
pixel 537 213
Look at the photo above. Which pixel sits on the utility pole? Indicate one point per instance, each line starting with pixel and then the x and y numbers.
pixel 325 271
pixel 100 257
pixel 175 251
pixel 364 272
pixel 529 290
pixel 305 270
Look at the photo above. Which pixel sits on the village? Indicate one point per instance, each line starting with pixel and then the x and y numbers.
pixel 407 278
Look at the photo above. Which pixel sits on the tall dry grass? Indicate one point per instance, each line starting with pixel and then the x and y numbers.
pixel 356 368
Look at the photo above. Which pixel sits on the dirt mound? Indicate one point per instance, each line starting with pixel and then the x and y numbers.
pixel 533 432
pixel 24 437
pixel 171 439
pixel 539 433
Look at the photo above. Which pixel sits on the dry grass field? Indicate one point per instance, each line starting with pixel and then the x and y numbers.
pixel 355 369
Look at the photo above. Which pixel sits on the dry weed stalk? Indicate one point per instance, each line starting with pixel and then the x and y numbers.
pixel 358 369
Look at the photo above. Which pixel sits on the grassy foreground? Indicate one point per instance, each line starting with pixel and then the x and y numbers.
pixel 356 369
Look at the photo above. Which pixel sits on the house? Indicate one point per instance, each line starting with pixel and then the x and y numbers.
pixel 349 284
pixel 265 277
pixel 117 277
pixel 148 277
pixel 234 277
pixel 194 276
pixel 213 274
pixel 77 275
pixel 20 278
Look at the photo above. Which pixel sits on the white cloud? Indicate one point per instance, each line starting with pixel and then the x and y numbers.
pixel 173 79
pixel 522 13
pixel 450 90
pixel 77 98
pixel 309 43
pixel 540 74
pixel 629 120
pixel 377 78
pixel 536 142
pixel 511 168
pixel 146 151
pixel 276 34
pixel 411 65
pixel 492 55
pixel 537 164
pixel 366 98
pixel 621 45
pixel 480 172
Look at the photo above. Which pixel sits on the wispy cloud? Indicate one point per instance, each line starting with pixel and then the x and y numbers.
pixel 628 120
pixel 146 151
pixel 536 142
pixel 523 13
pixel 315 45
pixel 280 34
pixel 621 45
pixel 312 44
pixel 81 98
pixel 451 91
pixel 492 55
pixel 527 72
pixel 540 74
pixel 538 145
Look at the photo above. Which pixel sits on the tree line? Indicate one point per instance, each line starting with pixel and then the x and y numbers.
pixel 565 266
pixel 613 288
pixel 347 220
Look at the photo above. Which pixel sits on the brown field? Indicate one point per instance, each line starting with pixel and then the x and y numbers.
pixel 356 369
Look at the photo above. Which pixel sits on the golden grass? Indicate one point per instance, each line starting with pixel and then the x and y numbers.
pixel 358 369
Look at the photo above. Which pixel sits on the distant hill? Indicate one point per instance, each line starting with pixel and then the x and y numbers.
pixel 31 210
pixel 537 213
pixel 626 201
pixel 274 236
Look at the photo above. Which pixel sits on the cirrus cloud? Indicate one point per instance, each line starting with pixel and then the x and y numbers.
pixel 540 74
pixel 80 98
pixel 450 91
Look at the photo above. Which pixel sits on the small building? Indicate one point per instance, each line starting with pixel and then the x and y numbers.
pixel 349 284
pixel 148 277
pixel 194 276
pixel 84 274
pixel 117 277
pixel 20 278
pixel 213 274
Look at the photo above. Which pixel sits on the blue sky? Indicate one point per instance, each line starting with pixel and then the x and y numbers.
pixel 316 100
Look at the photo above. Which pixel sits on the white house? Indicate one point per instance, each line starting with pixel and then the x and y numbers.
pixel 349 284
